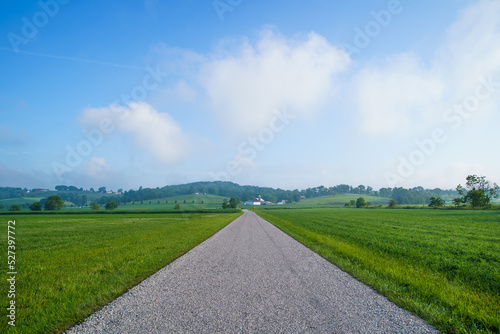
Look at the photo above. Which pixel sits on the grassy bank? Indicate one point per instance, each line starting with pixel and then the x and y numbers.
pixel 69 266
pixel 443 265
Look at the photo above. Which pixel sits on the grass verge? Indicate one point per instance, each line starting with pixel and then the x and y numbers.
pixel 69 266
pixel 443 265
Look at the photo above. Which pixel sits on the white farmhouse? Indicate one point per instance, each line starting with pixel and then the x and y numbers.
pixel 255 201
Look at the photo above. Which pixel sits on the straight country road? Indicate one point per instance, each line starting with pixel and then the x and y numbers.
pixel 251 278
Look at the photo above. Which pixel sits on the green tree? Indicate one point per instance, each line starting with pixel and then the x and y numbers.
pixel 457 202
pixel 393 204
pixel 36 206
pixel 177 206
pixel 95 206
pixel 352 203
pixel 233 203
pixel 54 203
pixel 15 207
pixel 436 202
pixel 225 204
pixel 360 202
pixel 478 191
pixel 111 205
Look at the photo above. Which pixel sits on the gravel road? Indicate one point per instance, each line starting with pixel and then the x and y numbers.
pixel 251 278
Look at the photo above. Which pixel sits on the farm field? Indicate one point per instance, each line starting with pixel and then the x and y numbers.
pixel 443 265
pixel 340 200
pixel 18 201
pixel 192 201
pixel 201 201
pixel 69 266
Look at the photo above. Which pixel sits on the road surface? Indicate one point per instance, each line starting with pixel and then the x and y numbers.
pixel 251 278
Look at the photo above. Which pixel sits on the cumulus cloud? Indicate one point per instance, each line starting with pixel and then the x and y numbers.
pixel 404 92
pixel 153 132
pixel 247 84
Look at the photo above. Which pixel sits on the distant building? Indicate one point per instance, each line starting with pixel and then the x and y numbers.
pixel 38 190
pixel 256 201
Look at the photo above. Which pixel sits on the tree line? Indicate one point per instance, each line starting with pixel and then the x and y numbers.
pixel 403 196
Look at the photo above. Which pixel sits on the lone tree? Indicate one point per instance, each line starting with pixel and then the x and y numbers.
pixel 95 206
pixel 360 202
pixel 36 206
pixel 111 205
pixel 436 202
pixel 233 203
pixel 54 203
pixel 15 207
pixel 478 191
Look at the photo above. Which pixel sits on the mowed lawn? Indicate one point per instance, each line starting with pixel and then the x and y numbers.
pixel 443 265
pixel 69 266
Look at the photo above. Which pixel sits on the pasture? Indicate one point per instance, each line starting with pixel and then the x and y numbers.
pixel 187 202
pixel 69 266
pixel 443 265
pixel 340 200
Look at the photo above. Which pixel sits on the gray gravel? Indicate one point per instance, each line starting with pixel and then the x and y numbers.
pixel 251 278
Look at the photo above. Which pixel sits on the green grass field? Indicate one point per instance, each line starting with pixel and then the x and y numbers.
pixel 340 200
pixel 323 201
pixel 443 265
pixel 201 201
pixel 69 266
pixel 187 202
pixel 18 201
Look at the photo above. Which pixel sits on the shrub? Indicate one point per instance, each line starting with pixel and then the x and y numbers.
pixel 111 205
pixel 393 204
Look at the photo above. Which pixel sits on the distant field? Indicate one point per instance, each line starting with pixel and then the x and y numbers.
pixel 340 200
pixel 69 266
pixel 443 265
pixel 200 202
pixel 18 201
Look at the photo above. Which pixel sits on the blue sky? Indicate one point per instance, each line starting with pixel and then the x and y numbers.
pixel 149 93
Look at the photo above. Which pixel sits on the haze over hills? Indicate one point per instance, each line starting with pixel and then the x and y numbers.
pixel 80 196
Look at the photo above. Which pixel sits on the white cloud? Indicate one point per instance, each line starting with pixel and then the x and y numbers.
pixel 153 132
pixel 397 97
pixel 247 86
pixel 403 94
